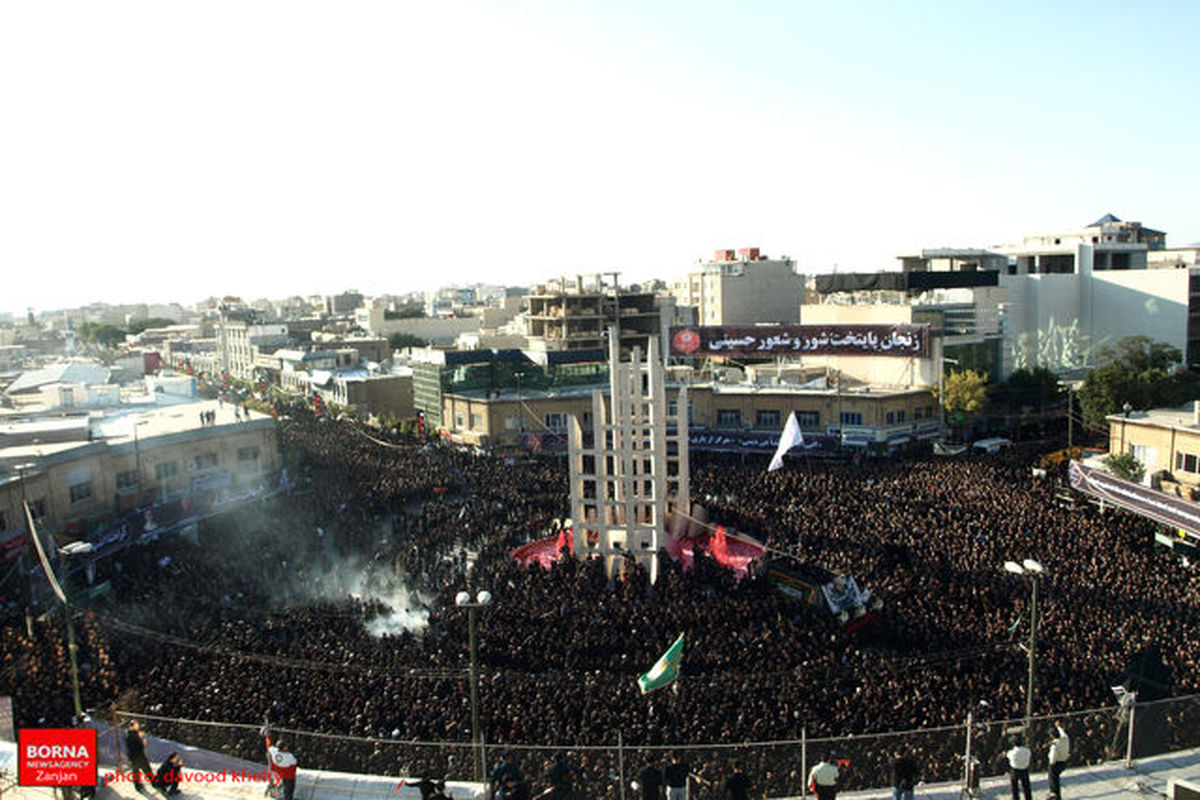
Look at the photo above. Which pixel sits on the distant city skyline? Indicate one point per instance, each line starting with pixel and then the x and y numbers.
pixel 170 152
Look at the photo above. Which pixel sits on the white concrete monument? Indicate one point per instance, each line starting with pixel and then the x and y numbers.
pixel 633 473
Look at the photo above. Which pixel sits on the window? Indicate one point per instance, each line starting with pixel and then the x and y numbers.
pixel 729 418
pixel 672 410
pixel 1147 455
pixel 929 411
pixel 1186 462
pixel 851 418
pixel 512 423
pixel 166 469
pixel 127 480
pixel 3 522
pixel 476 422
pixel 891 418
pixel 204 460
pixel 809 419
pixel 766 419
pixel 901 416
pixel 916 413
pixel 556 422
pixel 80 492
pixel 460 420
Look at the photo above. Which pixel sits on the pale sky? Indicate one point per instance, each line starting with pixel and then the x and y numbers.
pixel 168 151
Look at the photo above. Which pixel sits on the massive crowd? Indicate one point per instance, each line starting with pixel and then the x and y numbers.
pixel 294 607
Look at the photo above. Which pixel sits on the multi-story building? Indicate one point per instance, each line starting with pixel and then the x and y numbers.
pixel 576 314
pixel 1073 292
pixel 498 374
pixel 368 393
pixel 963 309
pixel 240 341
pixel 343 303
pixel 79 473
pixel 741 288
pixel 880 419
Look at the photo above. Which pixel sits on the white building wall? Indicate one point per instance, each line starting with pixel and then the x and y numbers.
pixel 1059 321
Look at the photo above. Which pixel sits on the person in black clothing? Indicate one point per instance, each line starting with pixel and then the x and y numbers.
pixel 904 777
pixel 651 779
pixel 676 777
pixel 559 776
pixel 169 774
pixel 514 788
pixel 503 770
pixel 135 748
pixel 439 791
pixel 737 785
pixel 427 787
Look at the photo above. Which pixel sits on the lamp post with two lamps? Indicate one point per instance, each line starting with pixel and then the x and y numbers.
pixel 1034 571
pixel 463 600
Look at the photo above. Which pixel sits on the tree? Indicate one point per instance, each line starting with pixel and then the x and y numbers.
pixel 152 322
pixel 964 393
pixel 1027 391
pixel 1140 372
pixel 398 341
pixel 410 311
pixel 1126 465
pixel 100 334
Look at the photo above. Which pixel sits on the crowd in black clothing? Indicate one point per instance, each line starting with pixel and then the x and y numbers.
pixel 256 613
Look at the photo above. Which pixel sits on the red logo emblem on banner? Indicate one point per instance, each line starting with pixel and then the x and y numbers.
pixel 687 341
pixel 57 757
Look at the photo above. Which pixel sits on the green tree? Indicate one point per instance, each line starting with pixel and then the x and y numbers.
pixel 1126 465
pixel 100 334
pixel 1140 372
pixel 152 322
pixel 410 311
pixel 399 341
pixel 963 393
pixel 1027 391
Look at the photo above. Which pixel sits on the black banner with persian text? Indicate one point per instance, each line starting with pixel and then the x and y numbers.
pixel 749 341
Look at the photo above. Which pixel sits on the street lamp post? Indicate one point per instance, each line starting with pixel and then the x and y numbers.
pixel 463 600
pixel 1034 571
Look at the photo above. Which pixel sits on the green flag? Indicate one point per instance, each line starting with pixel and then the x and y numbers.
pixel 665 670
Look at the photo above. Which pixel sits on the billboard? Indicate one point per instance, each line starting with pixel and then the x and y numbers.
pixel 749 341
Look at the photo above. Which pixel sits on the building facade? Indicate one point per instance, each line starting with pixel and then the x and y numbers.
pixel 577 314
pixel 118 464
pixel 741 288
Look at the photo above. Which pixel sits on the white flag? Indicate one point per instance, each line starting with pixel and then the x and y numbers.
pixel 792 436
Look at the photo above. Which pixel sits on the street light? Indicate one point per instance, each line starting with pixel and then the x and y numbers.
pixel 1034 571
pixel 463 600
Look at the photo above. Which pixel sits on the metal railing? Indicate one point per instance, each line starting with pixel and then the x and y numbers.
pixel 777 768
